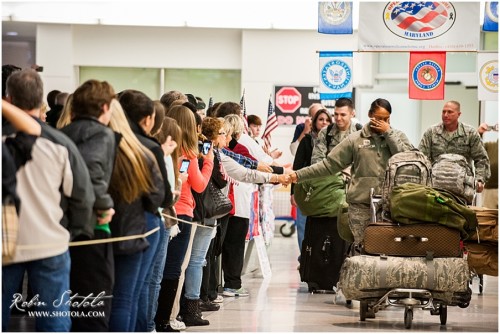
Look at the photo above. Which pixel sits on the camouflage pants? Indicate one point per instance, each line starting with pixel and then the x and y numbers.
pixel 359 218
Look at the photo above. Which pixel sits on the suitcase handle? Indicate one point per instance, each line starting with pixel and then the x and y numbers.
pixel 401 239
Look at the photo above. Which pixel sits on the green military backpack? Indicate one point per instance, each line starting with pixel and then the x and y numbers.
pixel 320 197
pixel 413 203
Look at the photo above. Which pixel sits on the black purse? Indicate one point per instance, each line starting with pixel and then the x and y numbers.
pixel 216 204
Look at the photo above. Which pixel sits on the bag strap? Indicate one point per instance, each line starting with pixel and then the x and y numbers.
pixel 329 137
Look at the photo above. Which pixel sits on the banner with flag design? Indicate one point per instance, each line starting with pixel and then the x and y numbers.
pixel 490 16
pixel 335 17
pixel 424 26
pixel 426 76
pixel 335 72
pixel 271 124
pixel 487 66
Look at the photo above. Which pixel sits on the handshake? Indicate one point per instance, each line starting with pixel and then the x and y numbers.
pixel 286 179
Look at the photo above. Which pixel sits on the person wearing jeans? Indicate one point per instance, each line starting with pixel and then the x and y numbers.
pixel 49 279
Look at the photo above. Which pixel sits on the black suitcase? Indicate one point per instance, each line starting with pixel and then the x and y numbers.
pixel 322 255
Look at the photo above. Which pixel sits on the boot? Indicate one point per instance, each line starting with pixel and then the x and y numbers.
pixel 166 300
pixel 193 316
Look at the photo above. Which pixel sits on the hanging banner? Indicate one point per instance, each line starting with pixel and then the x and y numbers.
pixel 335 72
pixel 419 26
pixel 487 65
pixel 426 77
pixel 490 16
pixel 335 17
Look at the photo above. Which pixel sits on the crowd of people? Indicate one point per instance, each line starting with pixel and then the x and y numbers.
pixel 110 235
pixel 109 223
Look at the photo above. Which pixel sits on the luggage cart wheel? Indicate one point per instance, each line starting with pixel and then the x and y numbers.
pixel 363 310
pixel 408 317
pixel 443 314
pixel 287 229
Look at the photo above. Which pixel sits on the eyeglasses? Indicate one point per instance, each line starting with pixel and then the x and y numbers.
pixel 222 133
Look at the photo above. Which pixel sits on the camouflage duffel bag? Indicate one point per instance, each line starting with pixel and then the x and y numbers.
pixel 366 276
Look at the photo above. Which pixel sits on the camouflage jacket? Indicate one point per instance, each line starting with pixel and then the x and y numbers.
pixel 367 154
pixel 320 151
pixel 464 141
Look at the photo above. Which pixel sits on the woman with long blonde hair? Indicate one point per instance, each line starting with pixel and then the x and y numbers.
pixel 136 182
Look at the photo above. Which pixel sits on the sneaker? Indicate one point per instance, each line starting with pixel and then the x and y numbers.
pixel 218 300
pixel 241 292
pixel 177 325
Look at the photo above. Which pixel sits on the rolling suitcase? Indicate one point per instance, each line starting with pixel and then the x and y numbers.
pixel 426 239
pixel 322 255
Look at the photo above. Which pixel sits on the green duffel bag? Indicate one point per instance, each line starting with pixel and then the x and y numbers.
pixel 412 202
pixel 320 197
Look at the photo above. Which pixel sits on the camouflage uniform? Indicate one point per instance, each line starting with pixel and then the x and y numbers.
pixel 464 141
pixel 368 153
pixel 320 151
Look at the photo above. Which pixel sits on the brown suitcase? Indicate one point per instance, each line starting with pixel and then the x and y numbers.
pixel 420 239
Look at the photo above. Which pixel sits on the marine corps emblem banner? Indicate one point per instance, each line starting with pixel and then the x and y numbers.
pixel 426 77
pixel 335 73
pixel 419 26
pixel 487 68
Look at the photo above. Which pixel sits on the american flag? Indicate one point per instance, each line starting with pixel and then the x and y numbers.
pixel 419 16
pixel 244 111
pixel 210 102
pixel 271 124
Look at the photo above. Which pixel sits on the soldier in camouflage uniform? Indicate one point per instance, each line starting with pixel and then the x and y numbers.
pixel 367 152
pixel 452 136
pixel 344 112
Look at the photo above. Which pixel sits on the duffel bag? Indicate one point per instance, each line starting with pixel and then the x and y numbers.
pixel 412 202
pixel 482 257
pixel 487 220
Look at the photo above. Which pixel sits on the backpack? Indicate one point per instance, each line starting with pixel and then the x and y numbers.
pixel 403 167
pixel 415 203
pixel 452 172
pixel 320 197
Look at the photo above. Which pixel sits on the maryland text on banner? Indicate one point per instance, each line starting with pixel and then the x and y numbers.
pixel 419 26
pixel 487 67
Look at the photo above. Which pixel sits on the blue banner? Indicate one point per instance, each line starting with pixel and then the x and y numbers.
pixel 491 16
pixel 335 17
pixel 335 72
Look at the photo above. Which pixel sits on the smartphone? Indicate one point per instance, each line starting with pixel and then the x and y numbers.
pixel 206 147
pixel 184 166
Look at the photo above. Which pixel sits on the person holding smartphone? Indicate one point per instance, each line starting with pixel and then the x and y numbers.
pixel 197 180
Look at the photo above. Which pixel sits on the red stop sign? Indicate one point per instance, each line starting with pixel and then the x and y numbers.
pixel 288 99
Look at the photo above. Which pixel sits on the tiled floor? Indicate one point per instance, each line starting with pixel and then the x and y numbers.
pixel 283 304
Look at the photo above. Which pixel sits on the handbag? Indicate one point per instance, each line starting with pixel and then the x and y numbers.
pixel 216 204
pixel 10 227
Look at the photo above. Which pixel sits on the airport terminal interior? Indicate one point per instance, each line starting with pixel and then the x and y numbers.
pixel 282 303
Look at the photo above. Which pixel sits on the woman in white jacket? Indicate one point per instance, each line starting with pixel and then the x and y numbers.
pixel 233 245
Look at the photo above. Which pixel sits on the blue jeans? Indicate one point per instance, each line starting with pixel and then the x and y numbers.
pixel 157 276
pixel 300 224
pixel 126 275
pixel 177 248
pixel 194 270
pixel 138 318
pixel 49 280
